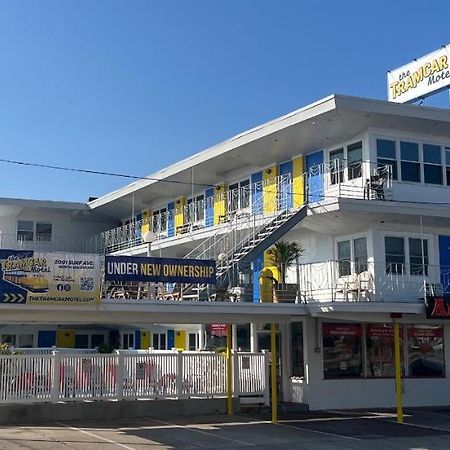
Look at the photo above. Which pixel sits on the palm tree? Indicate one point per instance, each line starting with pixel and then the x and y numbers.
pixel 282 254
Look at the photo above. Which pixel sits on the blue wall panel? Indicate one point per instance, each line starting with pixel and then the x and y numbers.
pixel 257 193
pixel 209 207
pixel 257 266
pixel 171 219
pixel 444 259
pixel 137 339
pixel 315 176
pixel 170 339
pixel 46 338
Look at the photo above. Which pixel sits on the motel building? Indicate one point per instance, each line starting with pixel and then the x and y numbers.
pixel 363 186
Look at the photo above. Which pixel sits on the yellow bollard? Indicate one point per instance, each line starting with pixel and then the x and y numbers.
pixel 229 374
pixel 273 372
pixel 398 373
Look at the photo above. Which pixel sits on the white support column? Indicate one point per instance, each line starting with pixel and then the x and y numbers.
pixel 253 338
pixel 286 361
pixel 234 337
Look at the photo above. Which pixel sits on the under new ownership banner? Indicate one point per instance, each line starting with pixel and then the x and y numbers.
pixel 38 277
pixel 157 270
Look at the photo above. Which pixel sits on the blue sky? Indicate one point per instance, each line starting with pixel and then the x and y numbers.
pixel 132 86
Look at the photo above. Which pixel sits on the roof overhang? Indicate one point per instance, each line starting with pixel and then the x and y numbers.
pixel 333 119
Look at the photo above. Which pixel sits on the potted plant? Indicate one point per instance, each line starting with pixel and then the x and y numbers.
pixel 282 254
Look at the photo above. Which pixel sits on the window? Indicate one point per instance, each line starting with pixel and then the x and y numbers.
pixel 447 164
pixel 159 341
pixel 344 258
pixel 418 256
pixel 195 209
pixel 432 164
pixel 25 340
pixel 352 256
pixel 159 221
pixel 43 232
pixel 192 341
pixel 239 195
pixel 395 255
pixel 426 351
pixel 386 155
pixel 409 155
pixel 25 230
pixel 380 350
pixel 128 340
pixel 8 339
pixel 342 355
pixel 337 166
pixel 354 156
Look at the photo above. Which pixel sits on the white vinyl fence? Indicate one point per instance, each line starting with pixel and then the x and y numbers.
pixel 63 376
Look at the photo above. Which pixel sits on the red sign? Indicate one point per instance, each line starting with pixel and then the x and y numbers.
pixel 380 330
pixel 341 329
pixel 426 332
pixel 218 329
pixel 437 308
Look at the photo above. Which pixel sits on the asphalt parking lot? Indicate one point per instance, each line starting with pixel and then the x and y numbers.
pixel 423 429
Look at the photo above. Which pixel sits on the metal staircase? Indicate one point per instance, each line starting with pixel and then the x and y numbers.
pixel 235 250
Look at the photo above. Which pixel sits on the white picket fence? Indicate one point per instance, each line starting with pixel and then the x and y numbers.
pixel 128 375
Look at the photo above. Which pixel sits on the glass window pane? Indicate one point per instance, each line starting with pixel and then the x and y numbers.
pixel 426 351
pixel 388 162
pixel 192 339
pixel 386 149
pixel 395 254
pixel 25 340
pixel 25 230
pixel 432 153
pixel 344 258
pixel 380 350
pixel 360 254
pixel 447 156
pixel 341 350
pixel 245 193
pixel 409 151
pixel 411 172
pixel 354 156
pixel 155 341
pixel 162 341
pixel 432 174
pixel 418 264
pixel 337 165
pixel 44 232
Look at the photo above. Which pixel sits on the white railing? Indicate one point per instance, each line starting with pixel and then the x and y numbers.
pixel 14 242
pixel 130 375
pixel 49 350
pixel 369 281
pixel 330 180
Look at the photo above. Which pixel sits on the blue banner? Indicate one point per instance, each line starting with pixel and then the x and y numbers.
pixel 157 270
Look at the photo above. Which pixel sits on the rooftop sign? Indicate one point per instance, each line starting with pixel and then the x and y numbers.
pixel 420 78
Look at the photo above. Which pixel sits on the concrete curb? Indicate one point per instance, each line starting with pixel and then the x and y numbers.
pixel 50 412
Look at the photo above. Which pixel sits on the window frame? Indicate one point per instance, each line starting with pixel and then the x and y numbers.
pixel 352 263
pixel 35 234
pixel 345 171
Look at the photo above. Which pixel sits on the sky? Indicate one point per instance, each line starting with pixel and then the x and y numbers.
pixel 132 86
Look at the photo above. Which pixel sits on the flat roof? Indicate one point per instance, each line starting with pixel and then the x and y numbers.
pixel 307 129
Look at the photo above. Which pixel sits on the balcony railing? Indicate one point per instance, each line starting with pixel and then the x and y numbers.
pixel 331 180
pixel 370 281
pixel 53 244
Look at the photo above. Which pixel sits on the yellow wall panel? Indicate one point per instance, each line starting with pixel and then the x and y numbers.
pixel 65 338
pixel 179 213
pixel 268 264
pixel 180 339
pixel 145 339
pixel 220 203
pixel 270 187
pixel 298 181
pixel 146 221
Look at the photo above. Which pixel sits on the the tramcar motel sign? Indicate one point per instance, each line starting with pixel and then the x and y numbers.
pixel 420 78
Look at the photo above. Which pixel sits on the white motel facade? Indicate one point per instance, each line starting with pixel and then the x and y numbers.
pixel 363 186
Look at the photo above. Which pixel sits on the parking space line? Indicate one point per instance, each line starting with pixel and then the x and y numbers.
pixel 194 430
pixel 445 430
pixel 110 441
pixel 428 413
pixel 342 436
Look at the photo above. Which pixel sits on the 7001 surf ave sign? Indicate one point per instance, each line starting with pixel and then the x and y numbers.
pixel 420 78
pixel 157 270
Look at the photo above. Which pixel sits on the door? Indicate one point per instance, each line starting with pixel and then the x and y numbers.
pixel 314 169
pixel 285 186
pixel 444 260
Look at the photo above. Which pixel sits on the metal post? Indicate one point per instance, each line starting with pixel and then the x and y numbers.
pixel 273 372
pixel 56 381
pixel 229 374
pixel 398 374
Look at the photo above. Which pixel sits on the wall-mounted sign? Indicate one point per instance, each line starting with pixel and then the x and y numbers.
pixel 35 277
pixel 159 270
pixel 218 329
pixel 420 78
pixel 437 307
pixel 338 329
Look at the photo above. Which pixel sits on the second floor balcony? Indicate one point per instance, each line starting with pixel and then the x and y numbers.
pixel 247 204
